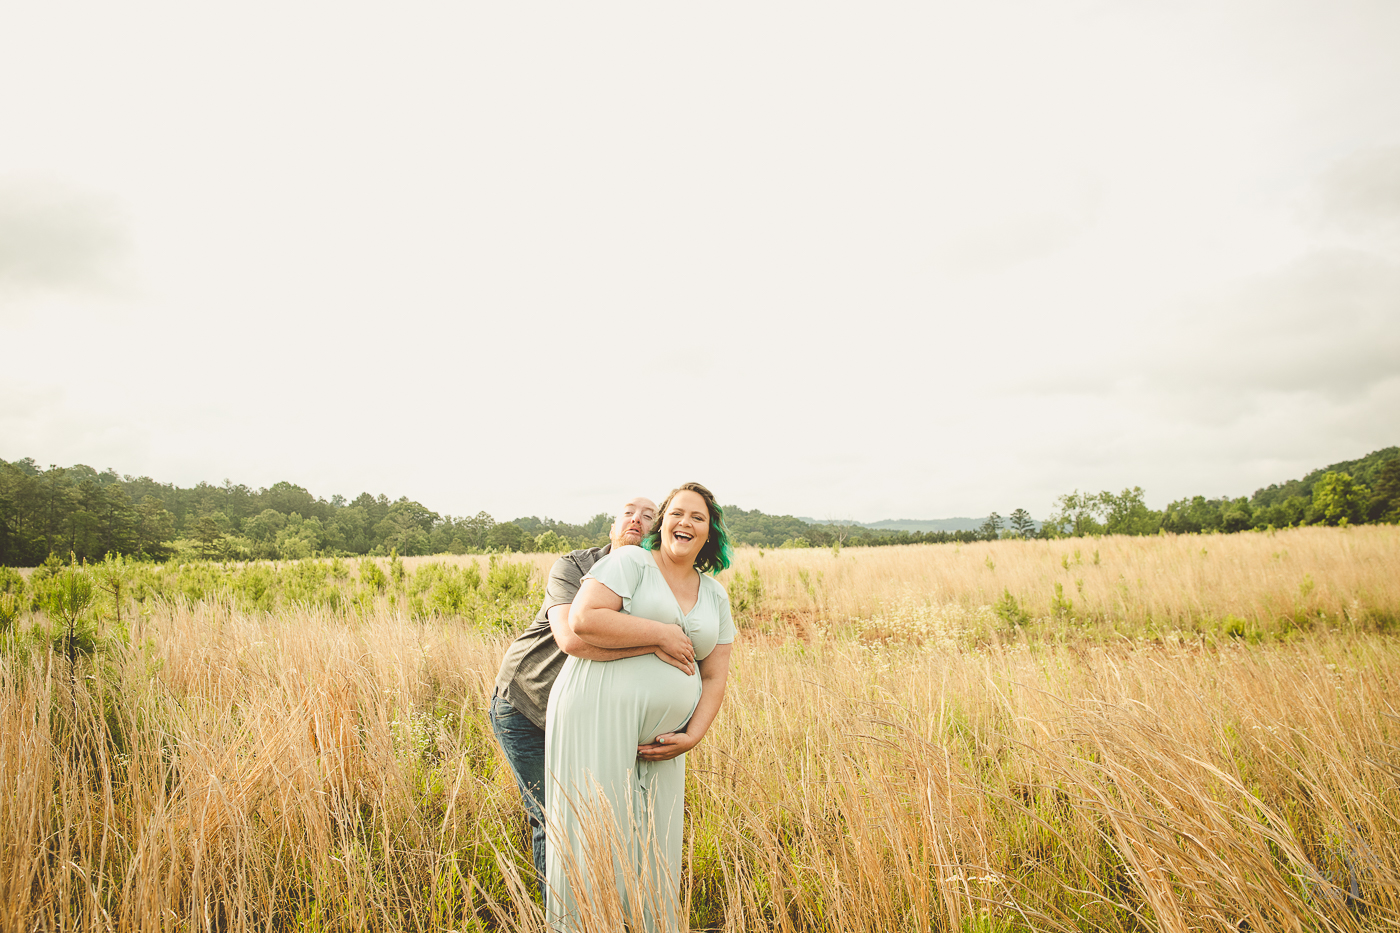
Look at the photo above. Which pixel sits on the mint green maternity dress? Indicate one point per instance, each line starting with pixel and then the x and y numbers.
pixel 600 796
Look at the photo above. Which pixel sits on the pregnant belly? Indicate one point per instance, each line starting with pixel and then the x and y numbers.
pixel 657 697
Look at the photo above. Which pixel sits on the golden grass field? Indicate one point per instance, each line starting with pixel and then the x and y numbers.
pixel 1195 733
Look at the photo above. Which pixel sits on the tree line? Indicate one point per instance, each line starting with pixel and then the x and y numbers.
pixel 88 514
pixel 1353 492
pixel 77 510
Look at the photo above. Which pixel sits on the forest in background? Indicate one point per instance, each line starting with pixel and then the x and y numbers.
pixel 80 512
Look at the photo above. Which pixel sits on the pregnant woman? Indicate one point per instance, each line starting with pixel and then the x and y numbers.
pixel 617 731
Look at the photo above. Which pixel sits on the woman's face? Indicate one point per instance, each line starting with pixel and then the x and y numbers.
pixel 686 526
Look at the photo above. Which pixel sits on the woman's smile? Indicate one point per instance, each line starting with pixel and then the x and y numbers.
pixel 686 524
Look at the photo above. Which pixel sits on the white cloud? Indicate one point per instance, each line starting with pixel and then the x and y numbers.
pixel 57 238
pixel 1360 195
pixel 913 260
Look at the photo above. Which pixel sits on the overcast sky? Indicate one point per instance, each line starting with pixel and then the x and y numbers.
pixel 860 261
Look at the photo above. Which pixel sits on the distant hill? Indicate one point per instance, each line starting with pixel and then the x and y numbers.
pixel 1363 469
pixel 931 524
pixel 916 524
pixel 78 513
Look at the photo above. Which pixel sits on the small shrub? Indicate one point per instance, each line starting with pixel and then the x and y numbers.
pixel 755 586
pixel 506 580
pixel 9 611
pixel 1009 609
pixel 371 576
pixel 12 581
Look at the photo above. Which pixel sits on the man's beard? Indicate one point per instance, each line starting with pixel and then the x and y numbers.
pixel 630 537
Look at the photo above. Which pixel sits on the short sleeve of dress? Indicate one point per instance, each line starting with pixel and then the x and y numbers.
pixel 726 618
pixel 621 571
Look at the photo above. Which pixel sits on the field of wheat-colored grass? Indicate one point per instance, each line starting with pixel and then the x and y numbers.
pixel 1267 583
pixel 893 754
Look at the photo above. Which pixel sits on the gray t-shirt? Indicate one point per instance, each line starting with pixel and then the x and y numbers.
pixel 533 660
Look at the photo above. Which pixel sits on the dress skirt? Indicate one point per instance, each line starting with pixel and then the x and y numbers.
pixel 614 822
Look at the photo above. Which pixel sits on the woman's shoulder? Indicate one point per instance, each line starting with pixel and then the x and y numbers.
pixel 630 554
pixel 713 587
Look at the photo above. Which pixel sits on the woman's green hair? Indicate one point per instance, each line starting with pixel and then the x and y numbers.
pixel 716 553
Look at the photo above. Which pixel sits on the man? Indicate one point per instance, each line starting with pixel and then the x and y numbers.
pixel 533 661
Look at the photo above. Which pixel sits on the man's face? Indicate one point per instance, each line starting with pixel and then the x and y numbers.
pixel 633 522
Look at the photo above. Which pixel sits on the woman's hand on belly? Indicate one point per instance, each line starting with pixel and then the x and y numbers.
pixel 667 746
pixel 675 648
pixel 679 662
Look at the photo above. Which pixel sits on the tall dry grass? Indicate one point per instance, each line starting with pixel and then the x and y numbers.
pixel 1259 583
pixel 239 772
pixel 884 766
pixel 1119 788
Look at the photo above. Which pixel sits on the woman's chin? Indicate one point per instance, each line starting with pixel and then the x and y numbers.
pixel 682 555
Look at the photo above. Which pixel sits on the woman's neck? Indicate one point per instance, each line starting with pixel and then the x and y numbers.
pixel 671 568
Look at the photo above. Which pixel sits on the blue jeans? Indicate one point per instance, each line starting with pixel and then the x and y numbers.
pixel 523 743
